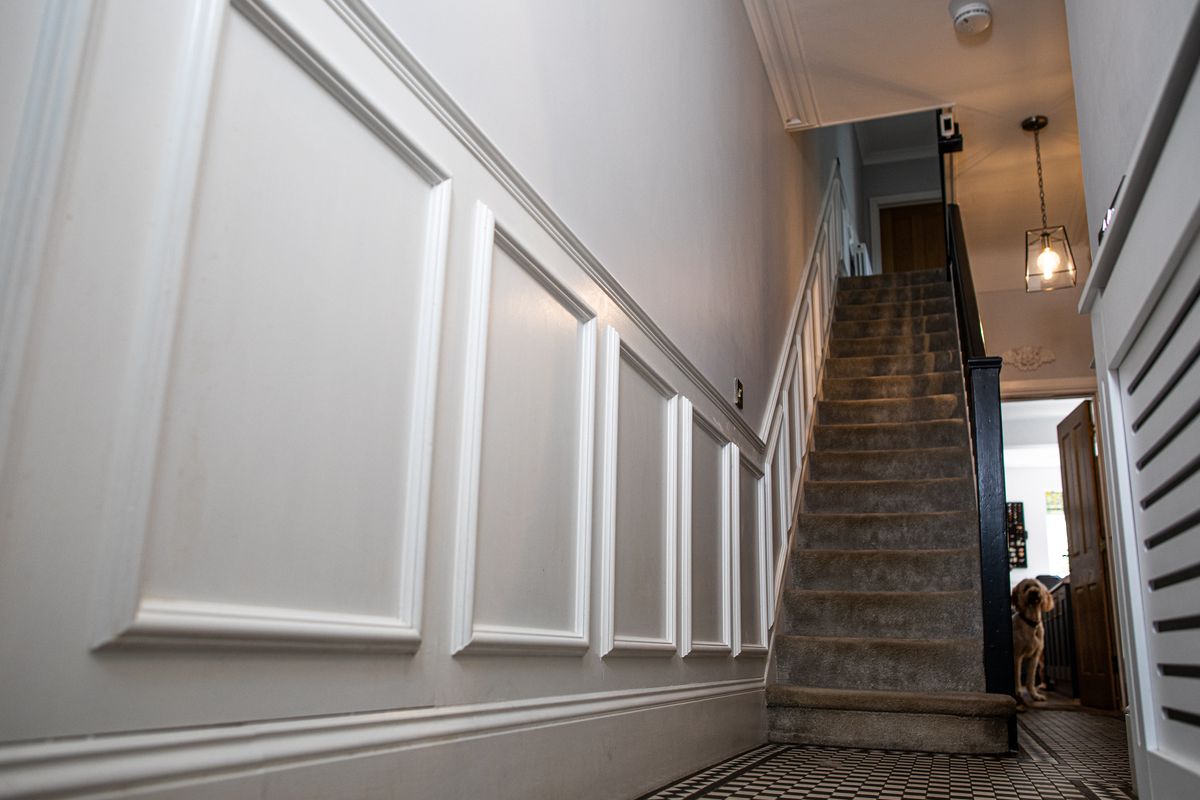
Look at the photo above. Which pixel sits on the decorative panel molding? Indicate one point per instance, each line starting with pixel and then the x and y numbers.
pixel 367 24
pixel 28 198
pixel 781 496
pixel 779 42
pixel 750 562
pixel 639 505
pixel 214 396
pixel 526 474
pixel 705 530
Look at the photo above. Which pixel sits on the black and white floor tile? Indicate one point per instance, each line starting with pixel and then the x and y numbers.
pixel 1064 755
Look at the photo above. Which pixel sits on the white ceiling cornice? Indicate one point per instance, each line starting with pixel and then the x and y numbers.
pixel 782 50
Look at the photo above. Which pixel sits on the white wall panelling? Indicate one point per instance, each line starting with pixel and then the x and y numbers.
pixel 639 505
pixel 258 288
pixel 525 512
pixel 28 192
pixel 706 534
pixel 205 419
pixel 751 566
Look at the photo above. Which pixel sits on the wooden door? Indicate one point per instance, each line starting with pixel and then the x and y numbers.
pixel 912 237
pixel 1087 545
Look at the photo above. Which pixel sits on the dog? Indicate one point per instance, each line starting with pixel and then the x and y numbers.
pixel 1030 601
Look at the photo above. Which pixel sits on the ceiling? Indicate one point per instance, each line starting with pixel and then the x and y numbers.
pixel 836 61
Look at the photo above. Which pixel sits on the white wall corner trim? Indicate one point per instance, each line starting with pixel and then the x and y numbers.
pixel 29 197
pixel 122 761
pixel 469 635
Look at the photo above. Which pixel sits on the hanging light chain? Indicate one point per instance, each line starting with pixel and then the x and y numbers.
pixel 1037 147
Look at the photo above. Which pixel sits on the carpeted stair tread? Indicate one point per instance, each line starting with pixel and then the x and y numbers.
pixel 890 409
pixel 891 435
pixel 889 496
pixel 907 364
pixel 848 347
pixel 878 642
pixel 911 308
pixel 892 614
pixel 892 279
pixel 853 662
pixel 925 530
pixel 966 704
pixel 883 386
pixel 898 326
pixel 893 294
pixel 934 570
pixel 872 465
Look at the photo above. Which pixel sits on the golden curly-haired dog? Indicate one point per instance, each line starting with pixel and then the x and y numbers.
pixel 1029 600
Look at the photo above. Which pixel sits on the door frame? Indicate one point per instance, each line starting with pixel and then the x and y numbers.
pixel 877 203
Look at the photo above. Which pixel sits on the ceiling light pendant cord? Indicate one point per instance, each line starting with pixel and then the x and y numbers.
pixel 1037 148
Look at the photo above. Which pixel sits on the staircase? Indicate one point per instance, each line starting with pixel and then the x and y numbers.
pixel 880 637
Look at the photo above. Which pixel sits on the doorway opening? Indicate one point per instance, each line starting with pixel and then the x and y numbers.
pixel 1058 535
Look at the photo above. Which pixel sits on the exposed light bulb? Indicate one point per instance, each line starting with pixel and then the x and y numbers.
pixel 1048 261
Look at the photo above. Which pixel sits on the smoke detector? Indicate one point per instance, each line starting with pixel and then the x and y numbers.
pixel 971 16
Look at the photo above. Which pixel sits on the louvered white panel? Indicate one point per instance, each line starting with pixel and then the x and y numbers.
pixel 1160 387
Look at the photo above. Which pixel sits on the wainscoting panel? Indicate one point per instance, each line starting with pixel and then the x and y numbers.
pixel 524 539
pixel 750 557
pixel 300 456
pixel 285 499
pixel 639 505
pixel 705 554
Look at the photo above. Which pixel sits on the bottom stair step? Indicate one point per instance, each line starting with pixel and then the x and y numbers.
pixel 935 722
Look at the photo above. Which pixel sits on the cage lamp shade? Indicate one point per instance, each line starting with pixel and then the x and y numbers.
pixel 1049 264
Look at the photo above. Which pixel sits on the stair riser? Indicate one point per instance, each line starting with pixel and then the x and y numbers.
pixel 863 412
pixel 873 571
pixel 888 665
pixel 919 615
pixel 894 532
pixel 870 497
pixel 873 328
pixel 941 433
pixel 924 733
pixel 913 364
pixel 893 386
pixel 916 308
pixel 893 279
pixel 896 294
pixel 893 345
pixel 876 465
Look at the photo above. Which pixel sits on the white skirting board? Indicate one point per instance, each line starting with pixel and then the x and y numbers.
pixel 613 745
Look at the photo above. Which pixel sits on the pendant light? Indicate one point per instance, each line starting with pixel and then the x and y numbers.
pixel 1049 264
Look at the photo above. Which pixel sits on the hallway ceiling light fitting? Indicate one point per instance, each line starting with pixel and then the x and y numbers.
pixel 1049 264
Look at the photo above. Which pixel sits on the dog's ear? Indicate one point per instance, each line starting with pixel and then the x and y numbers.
pixel 1047 601
pixel 1014 596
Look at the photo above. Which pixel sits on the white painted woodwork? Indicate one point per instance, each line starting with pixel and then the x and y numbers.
pixel 295 409
pixel 1146 325
pixel 524 535
pixel 750 559
pixel 639 506
pixel 308 425
pixel 705 531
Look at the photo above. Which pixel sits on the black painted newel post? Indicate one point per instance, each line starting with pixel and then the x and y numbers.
pixel 984 376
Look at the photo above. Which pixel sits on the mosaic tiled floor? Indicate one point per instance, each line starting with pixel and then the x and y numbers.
pixel 1064 755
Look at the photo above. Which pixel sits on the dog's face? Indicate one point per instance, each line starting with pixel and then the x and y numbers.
pixel 1030 595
